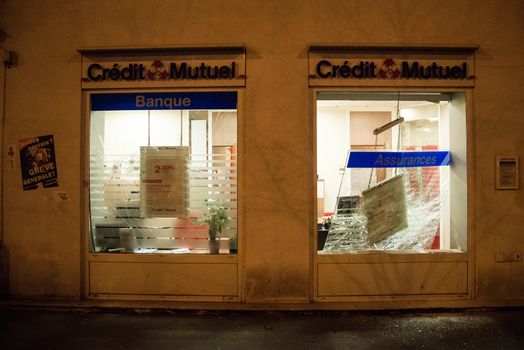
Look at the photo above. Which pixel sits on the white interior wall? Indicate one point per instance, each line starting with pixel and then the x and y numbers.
pixel 224 128
pixel 209 133
pixel 198 139
pixel 185 128
pixel 445 212
pixel 423 132
pixel 458 171
pixel 332 147
pixel 135 125
pixel 166 128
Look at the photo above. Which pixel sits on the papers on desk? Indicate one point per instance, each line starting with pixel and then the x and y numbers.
pixel 145 250
pixel 181 251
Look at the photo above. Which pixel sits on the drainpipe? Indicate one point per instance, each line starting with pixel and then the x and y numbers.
pixel 7 58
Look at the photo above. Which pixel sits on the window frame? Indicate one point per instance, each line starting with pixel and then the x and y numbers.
pixel 468 93
pixel 90 257
pixel 399 257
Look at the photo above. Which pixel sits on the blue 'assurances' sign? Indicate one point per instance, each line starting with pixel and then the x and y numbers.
pixel 411 159
pixel 164 100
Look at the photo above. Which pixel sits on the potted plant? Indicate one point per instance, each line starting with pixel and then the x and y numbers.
pixel 233 244
pixel 217 219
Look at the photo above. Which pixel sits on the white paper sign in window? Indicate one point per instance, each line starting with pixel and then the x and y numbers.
pixel 164 184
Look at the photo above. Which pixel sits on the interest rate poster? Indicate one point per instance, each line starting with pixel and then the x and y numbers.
pixel 164 182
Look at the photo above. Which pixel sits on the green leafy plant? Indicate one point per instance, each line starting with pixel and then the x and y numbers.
pixel 217 219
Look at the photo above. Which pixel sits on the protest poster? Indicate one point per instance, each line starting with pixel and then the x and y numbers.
pixel 38 162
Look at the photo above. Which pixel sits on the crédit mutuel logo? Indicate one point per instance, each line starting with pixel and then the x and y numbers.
pixel 389 69
pixel 159 71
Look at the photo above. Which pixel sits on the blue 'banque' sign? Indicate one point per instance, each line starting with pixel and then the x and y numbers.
pixel 164 100
pixel 410 159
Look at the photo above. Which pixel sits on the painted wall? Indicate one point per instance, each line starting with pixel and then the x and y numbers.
pixel 333 143
pixel 43 97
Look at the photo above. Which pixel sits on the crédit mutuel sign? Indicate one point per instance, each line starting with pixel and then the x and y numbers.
pixel 152 72
pixel 159 70
pixel 389 69
pixel 340 70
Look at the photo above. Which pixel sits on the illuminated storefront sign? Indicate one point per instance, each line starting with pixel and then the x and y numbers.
pixel 159 70
pixel 212 66
pixel 389 69
pixel 350 65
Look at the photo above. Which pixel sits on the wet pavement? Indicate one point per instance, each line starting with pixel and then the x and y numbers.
pixel 132 329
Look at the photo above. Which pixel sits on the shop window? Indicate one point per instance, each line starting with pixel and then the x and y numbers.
pixel 391 172
pixel 163 177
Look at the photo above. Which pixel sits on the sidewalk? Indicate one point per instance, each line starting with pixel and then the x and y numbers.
pixel 93 330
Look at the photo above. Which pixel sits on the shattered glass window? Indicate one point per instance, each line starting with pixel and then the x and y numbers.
pixel 392 170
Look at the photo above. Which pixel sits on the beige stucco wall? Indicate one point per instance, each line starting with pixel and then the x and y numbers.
pixel 43 97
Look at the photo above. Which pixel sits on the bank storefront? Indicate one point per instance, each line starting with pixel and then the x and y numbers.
pixel 163 173
pixel 393 143
pixel 164 212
